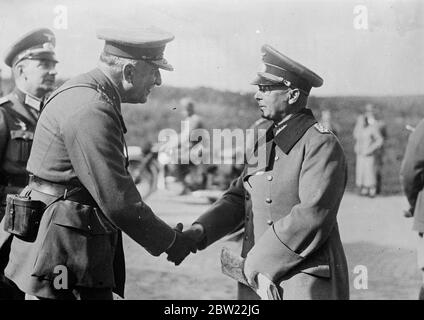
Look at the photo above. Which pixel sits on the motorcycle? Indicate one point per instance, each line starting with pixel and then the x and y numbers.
pixel 144 168
pixel 153 169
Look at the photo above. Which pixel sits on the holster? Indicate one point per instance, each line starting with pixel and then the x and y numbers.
pixel 22 216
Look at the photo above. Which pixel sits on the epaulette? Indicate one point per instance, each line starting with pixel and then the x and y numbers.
pixel 4 99
pixel 321 128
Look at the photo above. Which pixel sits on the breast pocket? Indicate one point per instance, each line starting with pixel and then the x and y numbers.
pixel 20 145
pixel 80 238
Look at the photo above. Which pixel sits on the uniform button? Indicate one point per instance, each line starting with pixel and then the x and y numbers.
pixel 246 237
pixel 276 158
pixel 247 197
pixel 268 200
pixel 269 178
pixel 270 222
pixel 89 227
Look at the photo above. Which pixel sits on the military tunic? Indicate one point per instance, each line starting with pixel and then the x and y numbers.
pixel 80 140
pixel 288 206
pixel 19 113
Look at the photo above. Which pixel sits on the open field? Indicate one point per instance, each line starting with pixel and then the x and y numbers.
pixel 374 232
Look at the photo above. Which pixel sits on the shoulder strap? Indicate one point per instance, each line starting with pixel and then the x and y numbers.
pixel 4 99
pixel 54 94
pixel 12 113
pixel 98 89
pixel 94 87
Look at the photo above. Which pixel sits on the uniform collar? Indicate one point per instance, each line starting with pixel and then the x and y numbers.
pixel 288 133
pixel 29 100
pixel 107 87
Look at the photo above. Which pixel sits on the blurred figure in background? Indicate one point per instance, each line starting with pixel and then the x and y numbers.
pixel 369 142
pixel 185 145
pixel 328 123
pixel 411 174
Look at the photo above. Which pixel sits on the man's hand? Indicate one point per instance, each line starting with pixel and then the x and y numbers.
pixel 250 273
pixel 262 285
pixel 181 247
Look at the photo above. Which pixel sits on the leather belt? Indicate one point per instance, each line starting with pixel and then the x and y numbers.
pixel 56 190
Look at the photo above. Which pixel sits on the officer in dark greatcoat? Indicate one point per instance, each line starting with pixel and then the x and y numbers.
pixel 288 200
pixel 412 173
pixel 79 165
pixel 32 59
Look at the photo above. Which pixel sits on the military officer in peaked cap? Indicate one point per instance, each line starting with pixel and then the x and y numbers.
pixel 79 166
pixel 411 173
pixel 289 202
pixel 32 60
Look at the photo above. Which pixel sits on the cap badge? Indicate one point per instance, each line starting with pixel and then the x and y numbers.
pixel 48 46
pixel 48 36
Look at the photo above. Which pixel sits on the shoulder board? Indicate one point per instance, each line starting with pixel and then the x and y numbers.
pixel 3 100
pixel 104 95
pixel 321 128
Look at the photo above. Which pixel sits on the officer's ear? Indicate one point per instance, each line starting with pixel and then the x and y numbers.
pixel 19 70
pixel 128 73
pixel 294 95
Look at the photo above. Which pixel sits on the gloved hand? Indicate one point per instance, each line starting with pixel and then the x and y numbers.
pixel 408 213
pixel 196 232
pixel 182 246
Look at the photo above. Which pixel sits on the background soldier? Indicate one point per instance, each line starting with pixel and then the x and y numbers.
pixel 289 204
pixel 328 122
pixel 369 142
pixel 188 174
pixel 79 164
pixel 33 62
pixel 412 171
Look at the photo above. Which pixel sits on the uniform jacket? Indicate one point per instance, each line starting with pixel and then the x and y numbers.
pixel 412 175
pixel 19 113
pixel 80 137
pixel 18 117
pixel 288 206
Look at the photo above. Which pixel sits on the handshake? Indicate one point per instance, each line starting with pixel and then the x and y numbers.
pixel 185 242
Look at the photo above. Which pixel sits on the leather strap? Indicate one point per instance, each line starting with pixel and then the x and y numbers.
pixel 62 192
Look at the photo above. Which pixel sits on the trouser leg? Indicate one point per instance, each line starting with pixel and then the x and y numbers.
pixel 8 290
pixel 420 261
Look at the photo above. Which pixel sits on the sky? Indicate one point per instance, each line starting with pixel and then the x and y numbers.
pixel 358 47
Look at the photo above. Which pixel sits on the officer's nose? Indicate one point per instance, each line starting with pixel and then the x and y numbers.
pixel 258 95
pixel 53 71
pixel 158 78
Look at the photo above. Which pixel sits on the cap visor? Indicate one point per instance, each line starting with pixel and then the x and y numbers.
pixel 162 64
pixel 263 79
